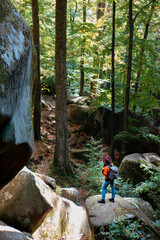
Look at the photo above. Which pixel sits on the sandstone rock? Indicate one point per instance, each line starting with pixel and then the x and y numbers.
pixel 2 223
pixel 153 158
pixel 144 207
pixel 16 135
pixel 77 113
pixel 66 220
pixel 9 233
pixel 80 154
pixel 70 193
pixel 104 214
pixel 98 124
pixel 130 168
pixel 51 182
pixel 25 201
pixel 80 100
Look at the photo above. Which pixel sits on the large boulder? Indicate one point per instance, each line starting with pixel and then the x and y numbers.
pixel 9 233
pixel 16 135
pixel 152 158
pixel 97 123
pixel 70 194
pixel 130 166
pixel 29 205
pixel 25 201
pixel 51 182
pixel 80 100
pixel 66 221
pixel 78 114
pixel 104 214
pixel 80 154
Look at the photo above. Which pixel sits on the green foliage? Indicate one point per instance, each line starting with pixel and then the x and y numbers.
pixel 93 173
pixel 125 188
pixel 125 228
pixel 134 133
pixel 151 187
pixel 92 41
pixel 48 84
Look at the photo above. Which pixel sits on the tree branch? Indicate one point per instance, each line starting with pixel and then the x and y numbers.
pixel 142 9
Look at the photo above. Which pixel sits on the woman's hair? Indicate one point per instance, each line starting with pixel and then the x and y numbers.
pixel 107 160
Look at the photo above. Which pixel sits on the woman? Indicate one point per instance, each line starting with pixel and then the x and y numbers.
pixel 106 171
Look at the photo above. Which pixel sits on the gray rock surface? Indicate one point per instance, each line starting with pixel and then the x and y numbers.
pixel 16 135
pixel 103 214
pixel 9 233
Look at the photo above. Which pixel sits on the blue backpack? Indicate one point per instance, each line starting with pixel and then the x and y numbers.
pixel 113 172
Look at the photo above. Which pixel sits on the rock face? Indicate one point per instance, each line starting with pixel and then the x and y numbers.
pixel 104 214
pixel 97 123
pixel 16 135
pixel 67 220
pixel 130 166
pixel 25 201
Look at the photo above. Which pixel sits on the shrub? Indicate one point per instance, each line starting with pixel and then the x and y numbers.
pixel 125 188
pixel 125 228
pixel 151 187
pixel 134 133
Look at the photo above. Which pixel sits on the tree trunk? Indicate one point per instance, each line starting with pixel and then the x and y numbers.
pixel 82 52
pixel 129 69
pixel 113 81
pixel 143 49
pixel 61 156
pixel 37 94
pixel 96 61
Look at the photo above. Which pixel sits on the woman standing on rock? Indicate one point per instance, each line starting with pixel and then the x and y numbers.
pixel 106 172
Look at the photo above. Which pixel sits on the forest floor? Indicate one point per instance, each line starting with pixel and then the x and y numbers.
pixel 43 154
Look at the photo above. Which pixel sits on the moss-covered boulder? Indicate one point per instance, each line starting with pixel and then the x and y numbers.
pixel 78 114
pixel 16 135
pixel 130 167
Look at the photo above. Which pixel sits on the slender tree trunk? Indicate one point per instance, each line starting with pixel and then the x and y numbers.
pixel 82 52
pixel 129 69
pixel 96 61
pixel 72 17
pixel 113 81
pixel 37 94
pixel 143 48
pixel 61 156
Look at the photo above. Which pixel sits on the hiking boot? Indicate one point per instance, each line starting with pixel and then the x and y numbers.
pixel 111 199
pixel 101 201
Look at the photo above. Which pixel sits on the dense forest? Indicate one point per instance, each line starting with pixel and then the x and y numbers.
pixel 106 51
